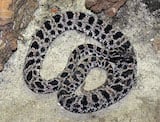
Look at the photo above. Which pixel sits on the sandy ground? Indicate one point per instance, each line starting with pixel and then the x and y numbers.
pixel 142 104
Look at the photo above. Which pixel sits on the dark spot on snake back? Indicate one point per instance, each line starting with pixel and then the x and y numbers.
pixel 117 88
pixel 38 60
pixel 40 90
pixel 81 16
pixel 103 36
pixel 87 27
pixel 64 74
pixel 69 14
pixel 59 31
pixel 81 47
pixel 117 35
pixel 42 49
pixel 60 25
pixel 93 58
pixel 107 28
pixel 111 42
pixel 66 82
pixel 99 21
pixel 30 54
pixel 126 45
pixel 126 73
pixel 96 32
pixel 69 23
pixel 94 98
pixel 90 46
pixel 47 25
pixel 70 101
pixel 39 85
pixel 54 82
pixel 98 49
pixel 52 32
pixel 105 94
pixel 40 34
pixel 35 45
pixel 46 40
pixel 29 76
pixel 84 101
pixel 30 62
pixel 82 66
pixel 91 20
pixel 90 33
pixel 70 66
pixel 79 24
pixel 57 18
pixel 125 91
pixel 63 92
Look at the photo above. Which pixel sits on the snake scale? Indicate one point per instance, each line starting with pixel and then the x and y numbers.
pixel 116 57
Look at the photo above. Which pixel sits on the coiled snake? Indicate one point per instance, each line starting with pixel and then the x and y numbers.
pixel 116 56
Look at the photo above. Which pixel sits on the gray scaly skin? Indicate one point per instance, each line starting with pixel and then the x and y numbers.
pixel 116 56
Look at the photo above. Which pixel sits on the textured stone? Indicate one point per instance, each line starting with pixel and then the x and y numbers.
pixel 110 7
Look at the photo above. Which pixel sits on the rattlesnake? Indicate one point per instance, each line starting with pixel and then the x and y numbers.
pixel 116 56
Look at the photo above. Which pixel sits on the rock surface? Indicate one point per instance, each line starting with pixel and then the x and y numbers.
pixel 110 7
pixel 15 15
pixel 142 104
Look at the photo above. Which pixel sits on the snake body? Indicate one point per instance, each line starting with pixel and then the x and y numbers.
pixel 116 57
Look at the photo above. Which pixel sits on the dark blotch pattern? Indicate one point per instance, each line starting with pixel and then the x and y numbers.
pixel 40 34
pixel 117 88
pixel 94 98
pixel 30 62
pixel 126 73
pixel 96 32
pixel 70 101
pixel 126 45
pixel 79 24
pixel 117 35
pixel 91 20
pixel 99 22
pixel 29 76
pixel 38 84
pixel 35 45
pixel 57 18
pixel 46 40
pixel 62 92
pixel 88 27
pixel 64 74
pixel 103 36
pixel 84 101
pixel 111 42
pixel 69 23
pixel 70 66
pixel 30 54
pixel 81 47
pixel 69 14
pixel 47 25
pixel 53 32
pixel 81 16
pixel 82 66
pixel 107 28
pixel 54 82
pixel 66 82
pixel 90 46
pixel 42 49
pixel 105 95
pixel 93 59
pixel 60 25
